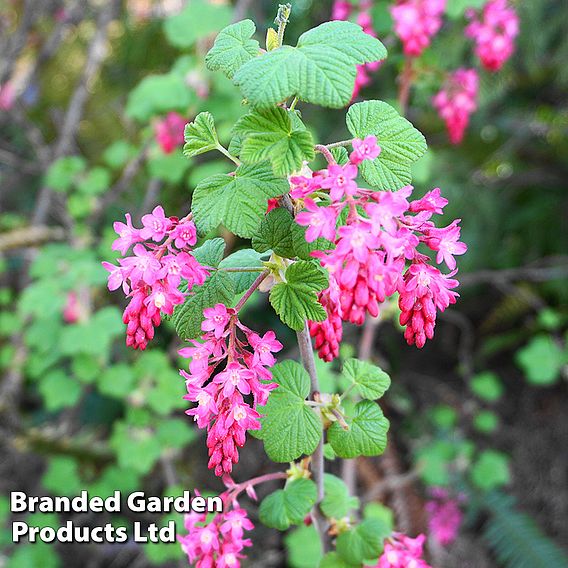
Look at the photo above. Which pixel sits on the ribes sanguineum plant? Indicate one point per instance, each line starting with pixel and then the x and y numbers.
pixel 330 245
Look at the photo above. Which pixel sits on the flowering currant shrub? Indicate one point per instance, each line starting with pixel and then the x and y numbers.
pixel 331 242
pixel 493 26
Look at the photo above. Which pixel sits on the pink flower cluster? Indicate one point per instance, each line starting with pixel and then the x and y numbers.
pixel 494 33
pixel 457 101
pixel 7 96
pixel 379 236
pixel 444 516
pixel 221 406
pixel 219 543
pixel 402 551
pixel 416 22
pixel 169 132
pixel 150 277
pixel 343 10
pixel 328 333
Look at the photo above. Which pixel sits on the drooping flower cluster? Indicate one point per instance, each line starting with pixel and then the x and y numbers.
pixel 416 22
pixel 343 10
pixel 218 543
pixel 169 132
pixel 457 101
pixel 378 237
pixel 444 516
pixel 221 404
pixel 151 275
pixel 494 33
pixel 402 551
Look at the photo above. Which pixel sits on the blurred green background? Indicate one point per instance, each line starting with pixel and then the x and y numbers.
pixel 480 410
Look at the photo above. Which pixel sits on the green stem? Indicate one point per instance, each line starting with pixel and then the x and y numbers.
pixel 294 103
pixel 225 152
pixel 242 269
pixel 282 19
pixel 326 153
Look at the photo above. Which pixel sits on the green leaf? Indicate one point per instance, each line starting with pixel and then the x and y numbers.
pixel 401 144
pixel 302 248
pixel 136 448
pixel 487 386
pixel 200 135
pixel 95 182
pixel 238 201
pixel 303 546
pixel 340 154
pixel 320 70
pixel 296 300
pixel 270 134
pixel 541 360
pixel 456 9
pixel 175 433
pixel 197 20
pixel 59 390
pixel 34 555
pixel 157 94
pixel 275 233
pixel 62 477
pixel 288 506
pixel 486 421
pixel 116 381
pixel 371 381
pixel 290 428
pixel 491 470
pixel 118 153
pixel 333 560
pixel 233 47
pixel 210 253
pixel 444 416
pixel 337 502
pixel 187 318
pixel 367 434
pixel 363 542
pixel 381 513
pixel 244 258
pixel 167 167
pixel 63 172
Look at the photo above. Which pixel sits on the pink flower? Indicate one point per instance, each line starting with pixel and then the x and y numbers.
pixel 156 225
pixel 184 234
pixel 494 33
pixel 302 186
pixel 221 407
pixel 219 543
pixel 416 22
pixel 7 96
pixel 446 242
pixel 319 220
pixel 432 202
pixel 234 377
pixel 423 290
pixel 366 149
pixel 169 132
pixel 444 517
pixel 216 319
pixel 72 310
pixel 457 101
pixel 150 277
pixel 264 347
pixel 127 235
pixel 401 551
pixel 340 180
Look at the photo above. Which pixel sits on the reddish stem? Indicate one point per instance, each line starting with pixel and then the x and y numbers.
pixel 405 85
pixel 249 292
